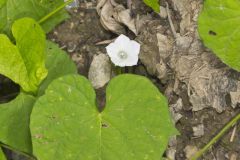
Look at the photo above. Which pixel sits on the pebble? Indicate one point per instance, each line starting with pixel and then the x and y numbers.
pixel 100 71
pixel 198 130
pixel 190 151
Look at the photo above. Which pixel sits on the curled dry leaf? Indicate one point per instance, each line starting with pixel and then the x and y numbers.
pixel 123 16
pixel 105 10
pixel 114 17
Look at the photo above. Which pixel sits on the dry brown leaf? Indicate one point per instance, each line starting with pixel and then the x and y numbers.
pixel 114 17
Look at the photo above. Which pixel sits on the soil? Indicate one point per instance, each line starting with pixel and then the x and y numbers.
pixel 79 35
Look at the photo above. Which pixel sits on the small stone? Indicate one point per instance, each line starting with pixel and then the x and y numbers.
pixel 183 42
pixel 176 116
pixel 235 96
pixel 234 156
pixel 175 109
pixel 190 151
pixel 220 154
pixel 170 153
pixel 100 71
pixel 71 47
pixel 198 130
pixel 178 105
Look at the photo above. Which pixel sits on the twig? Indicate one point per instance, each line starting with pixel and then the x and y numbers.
pixel 233 133
pixel 170 21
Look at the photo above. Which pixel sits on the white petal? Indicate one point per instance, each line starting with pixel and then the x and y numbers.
pixel 111 49
pixel 135 47
pixel 131 60
pixel 122 40
pixel 123 44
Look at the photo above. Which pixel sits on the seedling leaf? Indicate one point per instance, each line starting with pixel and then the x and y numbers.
pixel 154 4
pixel 135 124
pixel 24 63
pixel 11 10
pixel 14 116
pixel 219 27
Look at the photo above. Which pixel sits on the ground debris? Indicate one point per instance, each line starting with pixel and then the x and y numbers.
pixel 175 110
pixel 170 153
pixel 209 87
pixel 114 17
pixel 234 156
pixel 190 151
pixel 235 96
pixel 198 130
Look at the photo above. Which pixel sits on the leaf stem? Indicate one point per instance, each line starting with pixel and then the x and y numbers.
pixel 54 12
pixel 217 137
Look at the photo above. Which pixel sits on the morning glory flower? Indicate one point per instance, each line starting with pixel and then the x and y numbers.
pixel 123 51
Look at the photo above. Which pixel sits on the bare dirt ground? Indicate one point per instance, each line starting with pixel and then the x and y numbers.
pixel 203 93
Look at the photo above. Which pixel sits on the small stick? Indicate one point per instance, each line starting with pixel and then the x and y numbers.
pixel 170 21
pixel 233 133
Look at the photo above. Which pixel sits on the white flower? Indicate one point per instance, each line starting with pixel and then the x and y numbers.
pixel 123 51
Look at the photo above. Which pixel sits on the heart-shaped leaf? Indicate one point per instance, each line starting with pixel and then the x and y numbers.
pixel 219 27
pixel 24 63
pixel 11 10
pixel 14 122
pixel 135 124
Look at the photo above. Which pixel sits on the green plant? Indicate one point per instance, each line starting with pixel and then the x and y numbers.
pixel 154 4
pixel 12 10
pixel 219 27
pixel 27 57
pixel 65 122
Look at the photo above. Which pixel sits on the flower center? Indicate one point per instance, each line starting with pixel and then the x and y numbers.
pixel 122 55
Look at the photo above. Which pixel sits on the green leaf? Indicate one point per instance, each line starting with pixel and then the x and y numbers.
pixel 25 62
pixel 2 156
pixel 135 124
pixel 154 4
pixel 14 132
pixel 219 27
pixel 58 64
pixel 14 122
pixel 2 2
pixel 11 10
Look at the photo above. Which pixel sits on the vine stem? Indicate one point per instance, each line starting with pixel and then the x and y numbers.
pixel 217 137
pixel 54 12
